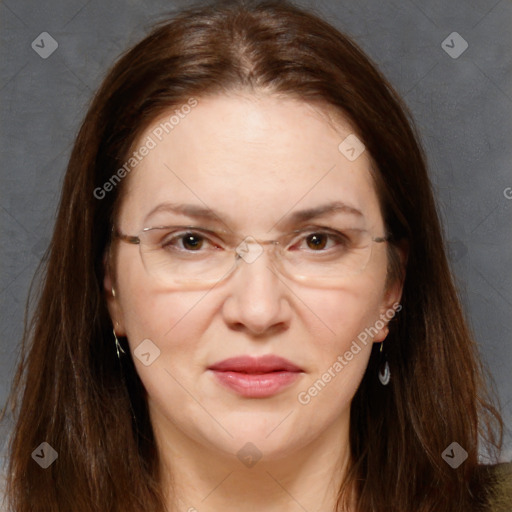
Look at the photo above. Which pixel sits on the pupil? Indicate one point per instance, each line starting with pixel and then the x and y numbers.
pixel 317 241
pixel 192 241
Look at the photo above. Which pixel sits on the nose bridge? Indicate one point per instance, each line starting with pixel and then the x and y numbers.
pixel 256 255
pixel 257 276
pixel 256 296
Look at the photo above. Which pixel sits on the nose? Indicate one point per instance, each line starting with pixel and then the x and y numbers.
pixel 258 300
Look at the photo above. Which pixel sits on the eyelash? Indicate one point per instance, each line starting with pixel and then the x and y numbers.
pixel 337 236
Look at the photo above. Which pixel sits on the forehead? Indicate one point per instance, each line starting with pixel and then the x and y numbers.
pixel 254 157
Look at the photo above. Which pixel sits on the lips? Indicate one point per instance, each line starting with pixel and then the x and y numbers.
pixel 248 364
pixel 259 377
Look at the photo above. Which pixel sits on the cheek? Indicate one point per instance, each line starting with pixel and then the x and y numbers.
pixel 174 323
pixel 341 344
pixel 167 326
pixel 147 312
pixel 339 316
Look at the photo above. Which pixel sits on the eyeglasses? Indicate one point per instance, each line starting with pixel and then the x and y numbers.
pixel 188 257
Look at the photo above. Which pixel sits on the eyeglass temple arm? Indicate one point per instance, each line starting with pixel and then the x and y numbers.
pixel 125 238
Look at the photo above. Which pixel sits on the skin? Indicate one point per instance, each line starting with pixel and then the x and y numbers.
pixel 256 158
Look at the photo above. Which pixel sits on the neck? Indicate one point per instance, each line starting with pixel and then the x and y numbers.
pixel 198 477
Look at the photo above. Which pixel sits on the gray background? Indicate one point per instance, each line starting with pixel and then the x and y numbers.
pixel 462 107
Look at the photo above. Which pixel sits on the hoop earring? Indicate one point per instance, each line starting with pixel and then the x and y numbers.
pixel 384 371
pixel 118 345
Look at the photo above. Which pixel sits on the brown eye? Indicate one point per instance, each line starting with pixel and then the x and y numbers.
pixel 324 241
pixel 191 241
pixel 317 241
pixel 184 241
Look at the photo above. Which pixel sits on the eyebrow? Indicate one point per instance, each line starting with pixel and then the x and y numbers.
pixel 202 212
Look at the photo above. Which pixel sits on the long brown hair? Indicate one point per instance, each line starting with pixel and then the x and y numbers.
pixel 70 389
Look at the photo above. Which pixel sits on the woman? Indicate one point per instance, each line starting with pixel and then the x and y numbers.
pixel 247 302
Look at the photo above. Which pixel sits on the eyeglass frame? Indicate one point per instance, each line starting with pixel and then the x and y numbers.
pixel 135 240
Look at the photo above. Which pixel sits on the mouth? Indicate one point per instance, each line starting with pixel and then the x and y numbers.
pixel 256 377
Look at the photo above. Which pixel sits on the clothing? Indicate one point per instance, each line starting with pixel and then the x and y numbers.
pixel 500 481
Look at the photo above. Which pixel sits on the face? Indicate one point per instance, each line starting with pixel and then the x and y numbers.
pixel 254 160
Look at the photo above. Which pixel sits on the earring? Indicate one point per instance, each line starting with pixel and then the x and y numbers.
pixel 118 345
pixel 384 371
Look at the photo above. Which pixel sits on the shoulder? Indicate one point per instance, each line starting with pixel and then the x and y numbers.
pixel 498 478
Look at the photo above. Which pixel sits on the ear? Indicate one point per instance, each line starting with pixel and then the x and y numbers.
pixel 390 305
pixel 111 296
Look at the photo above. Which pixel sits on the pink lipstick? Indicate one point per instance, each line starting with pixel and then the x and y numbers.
pixel 256 377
